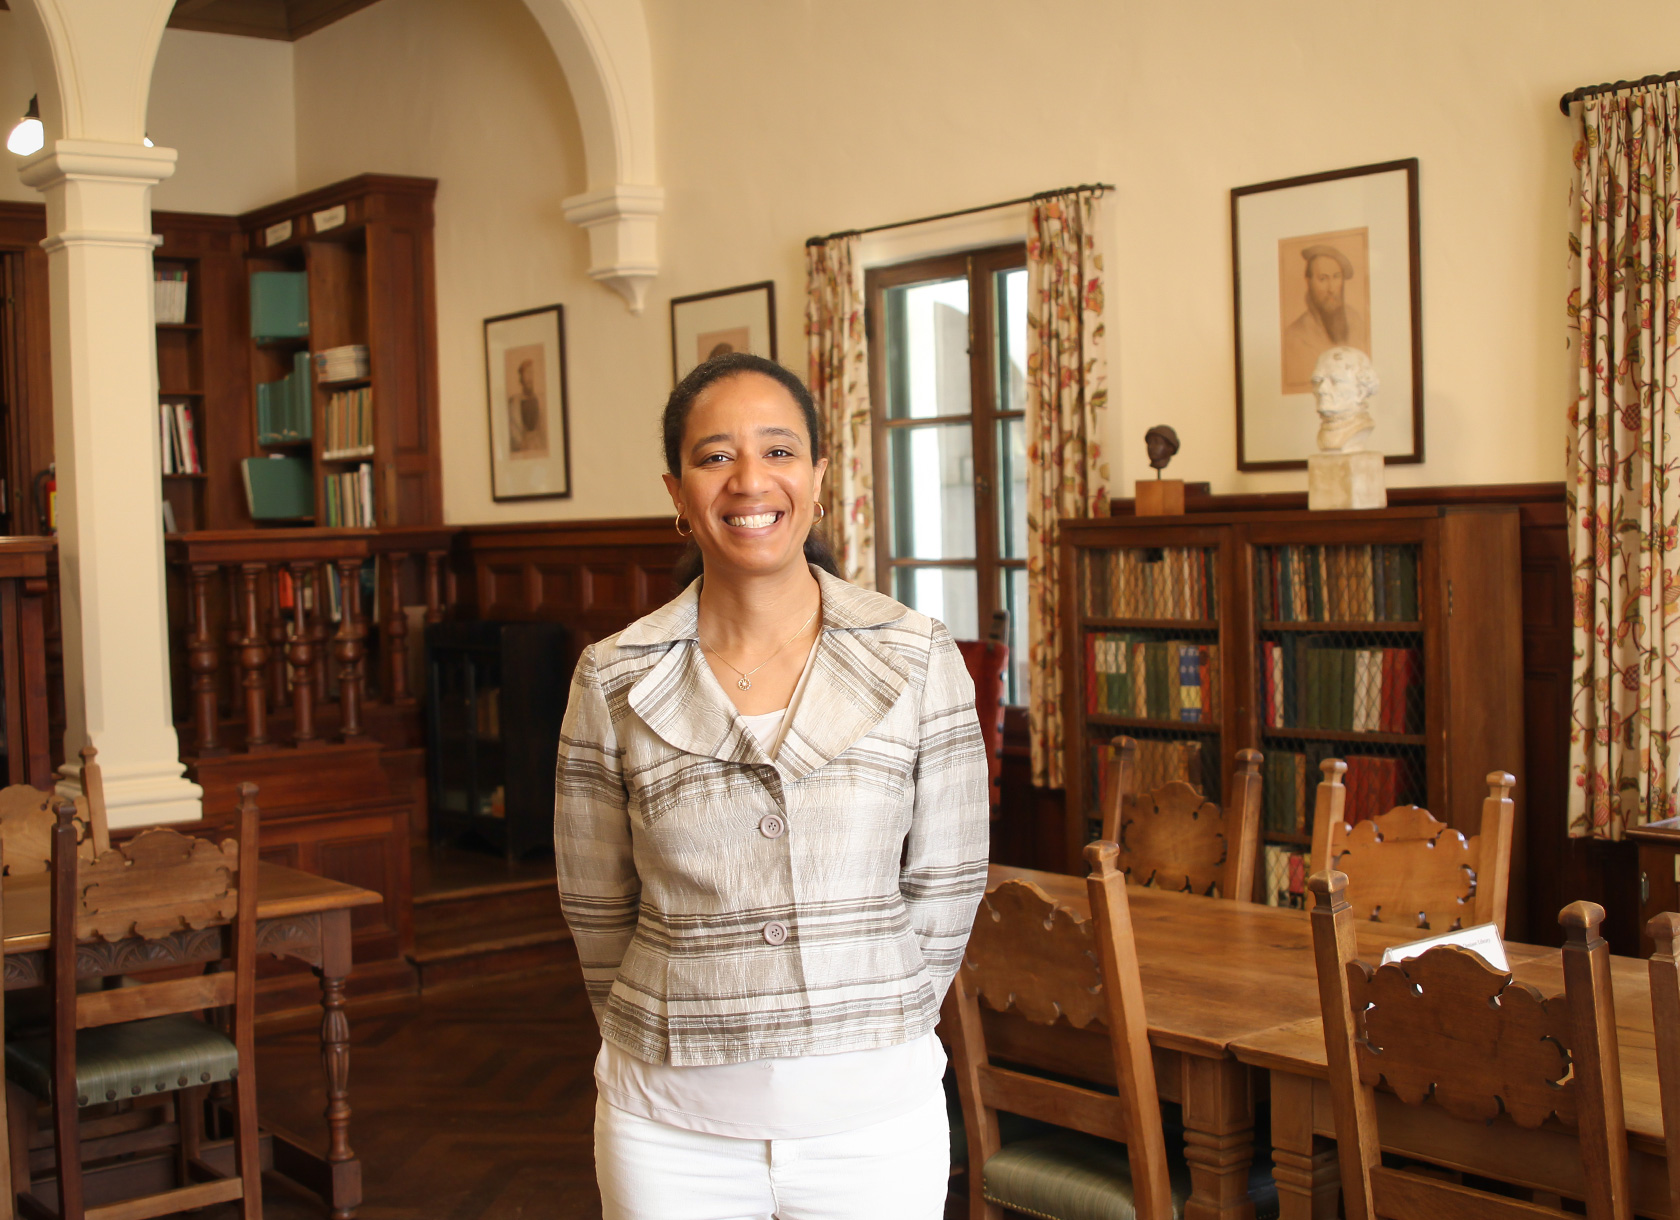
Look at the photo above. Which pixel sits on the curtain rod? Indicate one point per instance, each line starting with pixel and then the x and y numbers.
pixel 984 207
pixel 1586 91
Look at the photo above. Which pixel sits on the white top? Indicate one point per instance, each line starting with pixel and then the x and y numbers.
pixel 763 1099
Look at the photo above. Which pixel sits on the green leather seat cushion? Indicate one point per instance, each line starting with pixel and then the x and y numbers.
pixel 128 1059
pixel 1071 1176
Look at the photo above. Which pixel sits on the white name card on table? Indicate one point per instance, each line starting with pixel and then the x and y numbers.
pixel 1483 939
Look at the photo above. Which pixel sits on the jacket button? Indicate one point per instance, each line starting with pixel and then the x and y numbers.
pixel 775 932
pixel 771 826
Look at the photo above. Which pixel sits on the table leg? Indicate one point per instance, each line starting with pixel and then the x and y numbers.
pixel 345 1172
pixel 1304 1164
pixel 1218 1138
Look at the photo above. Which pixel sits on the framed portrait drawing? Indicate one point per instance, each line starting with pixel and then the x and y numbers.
pixel 708 324
pixel 1324 261
pixel 525 372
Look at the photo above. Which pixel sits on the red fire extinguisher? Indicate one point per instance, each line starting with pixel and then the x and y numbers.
pixel 46 499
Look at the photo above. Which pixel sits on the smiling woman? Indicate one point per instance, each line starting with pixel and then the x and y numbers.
pixel 771 831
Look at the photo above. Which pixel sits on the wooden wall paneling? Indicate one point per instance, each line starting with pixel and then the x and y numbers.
pixel 27 360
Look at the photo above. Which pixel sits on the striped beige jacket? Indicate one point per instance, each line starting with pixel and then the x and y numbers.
pixel 726 907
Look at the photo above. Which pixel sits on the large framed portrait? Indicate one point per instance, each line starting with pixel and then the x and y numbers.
pixel 525 372
pixel 1322 261
pixel 707 324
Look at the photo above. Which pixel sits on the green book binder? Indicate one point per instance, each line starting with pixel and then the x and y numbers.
pixel 278 488
pixel 279 305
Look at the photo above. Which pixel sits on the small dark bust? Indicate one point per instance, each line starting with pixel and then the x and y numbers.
pixel 1162 443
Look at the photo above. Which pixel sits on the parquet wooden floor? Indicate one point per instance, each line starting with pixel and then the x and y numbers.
pixel 473 1104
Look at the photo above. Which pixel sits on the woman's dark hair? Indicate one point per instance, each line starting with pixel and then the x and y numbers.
pixel 674 424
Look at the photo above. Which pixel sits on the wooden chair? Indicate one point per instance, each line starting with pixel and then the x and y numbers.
pixel 1446 1029
pixel 1664 967
pixel 137 1041
pixel 1406 866
pixel 1029 956
pixel 1173 839
pixel 27 819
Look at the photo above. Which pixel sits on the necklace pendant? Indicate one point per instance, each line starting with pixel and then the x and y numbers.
pixel 745 683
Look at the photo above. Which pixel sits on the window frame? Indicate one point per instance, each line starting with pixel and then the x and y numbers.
pixel 979 267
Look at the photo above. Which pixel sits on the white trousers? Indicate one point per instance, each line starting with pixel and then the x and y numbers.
pixel 896 1169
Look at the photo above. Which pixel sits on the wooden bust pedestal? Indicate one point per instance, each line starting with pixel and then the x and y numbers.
pixel 1159 498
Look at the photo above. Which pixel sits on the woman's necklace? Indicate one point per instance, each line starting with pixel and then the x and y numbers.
pixel 746 675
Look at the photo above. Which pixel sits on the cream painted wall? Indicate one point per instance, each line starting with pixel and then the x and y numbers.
pixel 472 95
pixel 778 120
pixel 224 104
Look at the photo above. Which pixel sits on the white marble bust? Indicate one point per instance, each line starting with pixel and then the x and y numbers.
pixel 1343 382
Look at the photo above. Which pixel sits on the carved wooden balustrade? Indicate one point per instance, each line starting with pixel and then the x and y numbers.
pixel 27 566
pixel 259 662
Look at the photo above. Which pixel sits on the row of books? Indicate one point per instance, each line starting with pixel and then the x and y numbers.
pixel 178 443
pixel 1151 582
pixel 1283 876
pixel 346 363
pixel 285 408
pixel 334 588
pixel 1289 787
pixel 1156 763
pixel 349 496
pixel 1127 674
pixel 169 295
pixel 1309 684
pixel 350 423
pixel 1338 584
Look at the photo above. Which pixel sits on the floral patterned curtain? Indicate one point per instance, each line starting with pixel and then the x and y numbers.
pixel 1067 392
pixel 1624 503
pixel 839 379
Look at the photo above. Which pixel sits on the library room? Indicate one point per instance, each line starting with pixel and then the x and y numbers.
pixel 578 576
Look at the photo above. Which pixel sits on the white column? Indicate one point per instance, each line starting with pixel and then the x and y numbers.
pixel 105 439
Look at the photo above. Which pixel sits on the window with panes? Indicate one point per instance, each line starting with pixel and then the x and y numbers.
pixel 948 356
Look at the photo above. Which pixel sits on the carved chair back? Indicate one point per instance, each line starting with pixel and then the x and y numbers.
pixel 27 820
pixel 1174 839
pixel 1448 1030
pixel 1664 967
pixel 1405 866
pixel 1039 961
pixel 159 898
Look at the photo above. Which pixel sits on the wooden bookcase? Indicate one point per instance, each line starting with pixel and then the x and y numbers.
pixel 365 245
pixel 1461 716
pixel 198 363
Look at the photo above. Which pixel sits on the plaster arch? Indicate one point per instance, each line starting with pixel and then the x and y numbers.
pixel 604 54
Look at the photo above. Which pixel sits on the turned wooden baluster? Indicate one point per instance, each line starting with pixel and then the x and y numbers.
pixel 396 632
pixel 434 586
pixel 321 596
pixel 347 646
pixel 253 658
pixel 302 657
pixel 276 640
pixel 233 632
pixel 203 661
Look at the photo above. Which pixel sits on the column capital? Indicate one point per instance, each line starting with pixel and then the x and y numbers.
pixel 623 226
pixel 97 160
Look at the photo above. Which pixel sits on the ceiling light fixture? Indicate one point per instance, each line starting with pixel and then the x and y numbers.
pixel 28 136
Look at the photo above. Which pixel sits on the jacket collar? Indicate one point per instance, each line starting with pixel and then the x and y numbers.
pixel 854 681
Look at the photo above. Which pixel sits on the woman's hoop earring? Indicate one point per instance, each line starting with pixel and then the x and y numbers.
pixel 821 511
pixel 679 528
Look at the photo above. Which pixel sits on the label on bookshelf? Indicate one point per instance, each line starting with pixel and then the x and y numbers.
pixel 1340 682
pixel 277 233
pixel 1150 582
pixel 327 218
pixel 1131 674
pixel 1341 584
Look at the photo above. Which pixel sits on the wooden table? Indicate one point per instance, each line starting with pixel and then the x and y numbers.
pixel 1547 1159
pixel 1214 972
pixel 299 915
